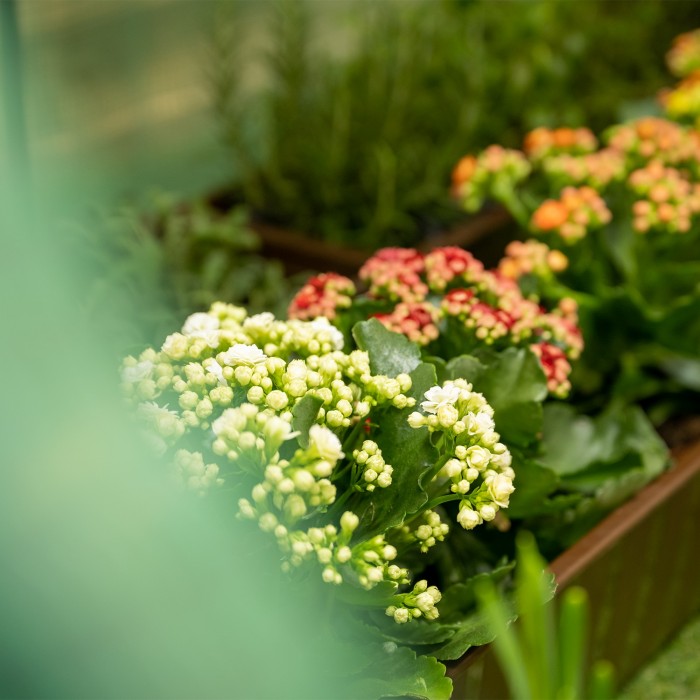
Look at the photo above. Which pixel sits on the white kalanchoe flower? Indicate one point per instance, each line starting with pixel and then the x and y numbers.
pixel 202 325
pixel 479 423
pixel 325 443
pixel 335 337
pixel 439 396
pixel 138 372
pixel 200 322
pixel 259 322
pixel 500 487
pixel 240 354
pixel 468 518
pixel 213 367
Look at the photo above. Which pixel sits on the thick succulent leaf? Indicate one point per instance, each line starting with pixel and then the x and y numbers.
pixel 680 328
pixel 415 633
pixel 304 416
pixel 400 672
pixel 461 597
pixel 410 453
pixel 389 353
pixel 379 596
pixel 534 482
pixel 472 631
pixel 587 452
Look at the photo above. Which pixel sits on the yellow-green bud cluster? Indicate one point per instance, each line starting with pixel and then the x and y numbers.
pixel 465 418
pixel 420 602
pixel 194 474
pixel 376 472
pixel 429 530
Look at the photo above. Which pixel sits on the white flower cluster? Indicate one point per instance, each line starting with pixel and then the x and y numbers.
pixel 229 384
pixel 420 602
pixel 252 361
pixel 479 468
pixel 227 398
pixel 376 471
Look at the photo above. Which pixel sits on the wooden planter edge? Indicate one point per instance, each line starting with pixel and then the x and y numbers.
pixel 637 565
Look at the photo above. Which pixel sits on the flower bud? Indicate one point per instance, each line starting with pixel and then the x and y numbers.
pixel 349 521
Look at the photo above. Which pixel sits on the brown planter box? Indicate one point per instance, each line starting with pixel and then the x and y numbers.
pixel 300 253
pixel 641 569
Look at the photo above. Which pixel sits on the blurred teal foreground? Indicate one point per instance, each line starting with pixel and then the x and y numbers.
pixel 113 584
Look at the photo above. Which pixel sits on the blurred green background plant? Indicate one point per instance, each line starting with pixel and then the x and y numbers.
pixel 166 260
pixel 351 138
pixel 546 656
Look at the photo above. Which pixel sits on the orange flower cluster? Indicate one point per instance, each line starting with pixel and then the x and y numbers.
pixel 597 169
pixel 322 295
pixel 494 168
pixel 542 142
pixel 578 210
pixel 684 55
pixel 652 138
pixel 670 201
pixel 531 257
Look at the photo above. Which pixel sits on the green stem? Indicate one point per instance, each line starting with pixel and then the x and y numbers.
pixel 442 499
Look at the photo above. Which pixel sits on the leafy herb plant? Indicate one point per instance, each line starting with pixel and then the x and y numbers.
pixel 348 137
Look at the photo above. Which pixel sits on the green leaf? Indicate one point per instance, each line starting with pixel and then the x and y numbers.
pixel 680 328
pixel 514 384
pixel 534 482
pixel 416 633
pixel 379 596
pixel 410 453
pixel 461 597
pixel 589 451
pixel 402 673
pixel 470 626
pixel 685 370
pixel 389 353
pixel 569 444
pixel 304 415
pixel 474 630
pixel 465 367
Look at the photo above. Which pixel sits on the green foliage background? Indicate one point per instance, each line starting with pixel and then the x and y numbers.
pixel 359 110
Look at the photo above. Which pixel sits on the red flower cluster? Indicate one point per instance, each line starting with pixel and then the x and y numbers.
pixel 556 368
pixel 322 296
pixel 394 273
pixel 449 291
pixel 444 265
pixel 418 321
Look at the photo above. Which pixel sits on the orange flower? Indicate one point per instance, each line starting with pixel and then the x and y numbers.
pixel 564 137
pixel 550 215
pixel 463 171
